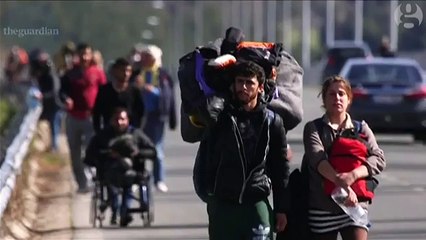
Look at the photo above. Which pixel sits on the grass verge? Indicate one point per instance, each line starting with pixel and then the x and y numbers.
pixel 7 111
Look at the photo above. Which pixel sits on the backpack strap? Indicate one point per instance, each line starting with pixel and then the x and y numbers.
pixel 271 120
pixel 271 116
pixel 357 126
pixel 358 130
pixel 130 129
pixel 320 129
pixel 319 125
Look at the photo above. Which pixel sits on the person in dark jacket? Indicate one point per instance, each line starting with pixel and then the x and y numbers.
pixel 118 152
pixel 244 161
pixel 41 69
pixel 385 48
pixel 118 93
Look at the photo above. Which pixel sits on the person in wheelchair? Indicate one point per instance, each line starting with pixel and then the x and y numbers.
pixel 118 152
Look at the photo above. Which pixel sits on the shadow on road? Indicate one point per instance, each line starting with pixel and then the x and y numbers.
pixel 406 234
pixel 385 142
pixel 177 226
pixel 400 220
pixel 132 227
pixel 412 189
pixel 175 172
pixel 407 166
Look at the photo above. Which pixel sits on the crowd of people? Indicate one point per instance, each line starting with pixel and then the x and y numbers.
pixel 78 92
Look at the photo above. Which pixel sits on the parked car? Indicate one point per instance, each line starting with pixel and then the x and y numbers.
pixel 340 52
pixel 388 93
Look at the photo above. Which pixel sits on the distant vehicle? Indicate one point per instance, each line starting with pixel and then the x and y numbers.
pixel 389 93
pixel 340 52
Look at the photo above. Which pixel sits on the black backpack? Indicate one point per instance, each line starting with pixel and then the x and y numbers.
pixel 297 217
pixel 191 78
pixel 266 54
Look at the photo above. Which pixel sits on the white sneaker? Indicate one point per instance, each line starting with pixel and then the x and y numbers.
pixel 135 190
pixel 162 187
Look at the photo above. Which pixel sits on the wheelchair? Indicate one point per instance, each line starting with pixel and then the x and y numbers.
pixel 141 193
pixel 98 202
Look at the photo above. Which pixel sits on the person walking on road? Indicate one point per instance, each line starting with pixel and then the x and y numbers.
pixel 79 88
pixel 325 218
pixel 65 58
pixel 158 94
pixel 42 69
pixel 118 93
pixel 241 160
pixel 118 152
pixel 385 48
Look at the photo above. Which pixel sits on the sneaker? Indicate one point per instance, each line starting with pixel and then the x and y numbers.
pixel 135 190
pixel 103 206
pixel 124 221
pixel 113 220
pixel 162 187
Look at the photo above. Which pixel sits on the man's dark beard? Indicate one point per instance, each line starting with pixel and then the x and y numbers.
pixel 244 102
pixel 117 130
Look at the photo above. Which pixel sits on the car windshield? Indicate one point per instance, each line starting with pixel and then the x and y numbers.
pixel 379 73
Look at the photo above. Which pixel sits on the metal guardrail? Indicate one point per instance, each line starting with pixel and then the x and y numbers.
pixel 17 150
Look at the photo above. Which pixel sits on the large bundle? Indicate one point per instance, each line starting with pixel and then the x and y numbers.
pixel 204 81
pixel 125 145
pixel 193 86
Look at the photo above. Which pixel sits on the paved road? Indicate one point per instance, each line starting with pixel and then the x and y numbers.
pixel 399 210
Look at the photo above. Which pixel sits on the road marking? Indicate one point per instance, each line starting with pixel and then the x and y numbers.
pixel 395 180
pixel 418 189
pixel 400 182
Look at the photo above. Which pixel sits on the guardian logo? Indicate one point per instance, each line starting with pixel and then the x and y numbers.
pixel 410 15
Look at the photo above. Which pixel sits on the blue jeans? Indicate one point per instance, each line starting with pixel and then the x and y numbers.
pixel 55 126
pixel 154 129
pixel 126 200
pixel 54 118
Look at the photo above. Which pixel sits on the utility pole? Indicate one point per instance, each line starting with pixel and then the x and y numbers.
pixel 393 26
pixel 226 21
pixel 306 34
pixel 287 31
pixel 235 13
pixel 258 20
pixel 199 22
pixel 359 17
pixel 178 33
pixel 246 16
pixel 271 21
pixel 330 29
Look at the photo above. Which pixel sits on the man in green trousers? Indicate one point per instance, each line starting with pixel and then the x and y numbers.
pixel 241 160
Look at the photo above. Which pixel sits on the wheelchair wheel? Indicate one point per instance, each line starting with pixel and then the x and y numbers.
pixel 95 213
pixel 147 196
